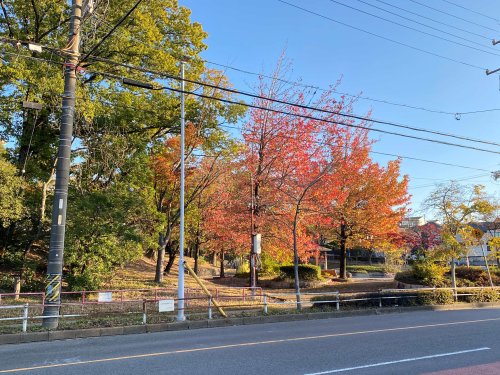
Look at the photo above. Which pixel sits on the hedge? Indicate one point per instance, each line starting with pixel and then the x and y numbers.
pixel 365 269
pixel 307 272
pixel 424 297
pixel 480 295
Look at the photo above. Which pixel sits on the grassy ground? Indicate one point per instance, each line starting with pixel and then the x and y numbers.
pixel 140 275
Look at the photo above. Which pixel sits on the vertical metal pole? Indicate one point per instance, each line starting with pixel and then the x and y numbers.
pixel 25 318
pixel 56 248
pixel 209 307
pixel 144 314
pixel 180 283
pixel 265 304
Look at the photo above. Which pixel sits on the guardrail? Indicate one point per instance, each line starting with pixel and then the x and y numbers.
pixel 149 309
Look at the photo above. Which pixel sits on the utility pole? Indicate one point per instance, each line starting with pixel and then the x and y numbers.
pixel 180 282
pixel 58 228
pixel 488 72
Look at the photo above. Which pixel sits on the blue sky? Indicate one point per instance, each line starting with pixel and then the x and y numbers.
pixel 251 35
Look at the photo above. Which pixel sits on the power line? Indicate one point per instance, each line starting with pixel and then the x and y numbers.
pixel 388 154
pixel 454 16
pixel 383 101
pixel 147 85
pixel 383 37
pixel 314 87
pixel 415 29
pixel 239 103
pixel 239 92
pixel 434 20
pixel 450 179
pixel 98 44
pixel 426 25
pixel 471 10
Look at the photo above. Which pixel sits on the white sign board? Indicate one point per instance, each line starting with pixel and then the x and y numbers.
pixel 105 297
pixel 165 305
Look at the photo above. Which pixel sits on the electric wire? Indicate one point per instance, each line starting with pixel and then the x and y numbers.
pixel 298 115
pixel 103 39
pixel 373 152
pixel 454 16
pixel 255 96
pixel 310 86
pixel 414 29
pixel 471 10
pixel 383 37
pixel 387 154
pixel 434 20
pixel 423 24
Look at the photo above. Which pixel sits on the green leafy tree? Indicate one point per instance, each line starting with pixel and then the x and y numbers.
pixel 11 203
pixel 116 130
pixel 457 206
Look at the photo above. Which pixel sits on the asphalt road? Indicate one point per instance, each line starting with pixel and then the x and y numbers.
pixel 438 343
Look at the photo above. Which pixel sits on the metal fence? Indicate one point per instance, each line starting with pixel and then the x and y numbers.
pixel 143 305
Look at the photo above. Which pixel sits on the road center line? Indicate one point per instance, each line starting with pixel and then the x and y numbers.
pixel 399 361
pixel 246 344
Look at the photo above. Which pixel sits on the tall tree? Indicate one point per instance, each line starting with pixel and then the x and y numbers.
pixel 115 126
pixel 369 200
pixel 457 206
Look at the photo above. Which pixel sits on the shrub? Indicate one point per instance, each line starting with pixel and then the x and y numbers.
pixel 84 281
pixel 476 276
pixel 269 266
pixel 435 297
pixel 243 268
pixel 481 295
pixel 365 269
pixel 407 277
pixel 307 272
pixel 429 273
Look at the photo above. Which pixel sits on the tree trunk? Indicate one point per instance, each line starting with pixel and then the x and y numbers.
pixel 159 259
pixel 453 278
pixel 296 262
pixel 222 274
pixel 343 253
pixel 170 263
pixel 214 259
pixel 196 256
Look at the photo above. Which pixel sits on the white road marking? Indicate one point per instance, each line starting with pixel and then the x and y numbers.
pixel 245 344
pixel 398 361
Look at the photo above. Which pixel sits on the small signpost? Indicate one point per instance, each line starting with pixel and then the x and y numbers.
pixel 166 305
pixel 105 297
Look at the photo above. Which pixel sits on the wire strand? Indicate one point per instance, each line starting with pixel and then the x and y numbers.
pixel 454 16
pixel 414 29
pixel 383 37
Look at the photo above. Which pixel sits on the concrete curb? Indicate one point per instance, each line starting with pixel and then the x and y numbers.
pixel 18 338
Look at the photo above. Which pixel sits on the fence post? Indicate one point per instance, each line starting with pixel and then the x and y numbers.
pixel 209 308
pixel 156 294
pixel 338 301
pixel 380 298
pixel 25 317
pixel 144 316
pixel 243 295
pixel 265 304
pixel 83 297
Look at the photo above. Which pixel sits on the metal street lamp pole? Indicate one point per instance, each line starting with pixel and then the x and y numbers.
pixel 180 283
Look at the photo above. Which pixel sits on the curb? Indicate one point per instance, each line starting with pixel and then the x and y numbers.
pixel 18 338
